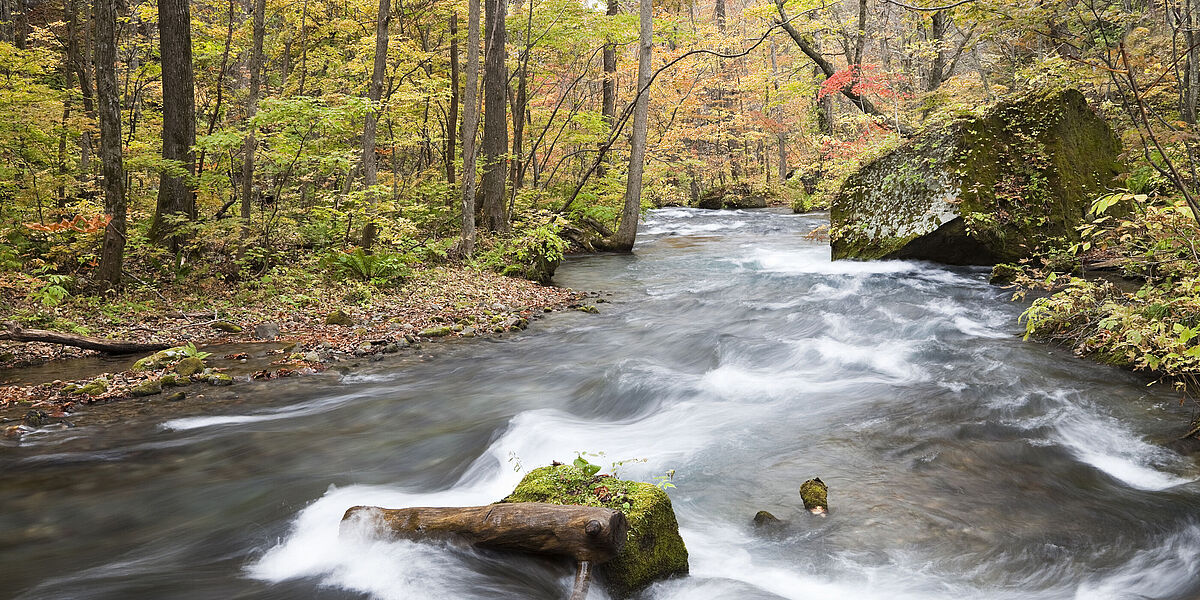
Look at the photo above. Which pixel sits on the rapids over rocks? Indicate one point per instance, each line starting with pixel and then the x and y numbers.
pixel 961 461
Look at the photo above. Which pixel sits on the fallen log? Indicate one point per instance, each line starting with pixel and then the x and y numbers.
pixel 17 333
pixel 584 533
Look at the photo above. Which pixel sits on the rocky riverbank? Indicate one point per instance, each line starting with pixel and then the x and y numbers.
pixel 46 385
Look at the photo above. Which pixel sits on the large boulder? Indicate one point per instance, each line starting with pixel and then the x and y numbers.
pixel 983 189
pixel 653 549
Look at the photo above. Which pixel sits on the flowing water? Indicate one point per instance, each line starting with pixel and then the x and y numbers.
pixel 962 462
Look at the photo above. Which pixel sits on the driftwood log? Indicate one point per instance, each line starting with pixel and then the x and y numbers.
pixel 16 333
pixel 583 533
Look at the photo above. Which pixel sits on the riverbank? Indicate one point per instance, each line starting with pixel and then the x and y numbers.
pixel 281 329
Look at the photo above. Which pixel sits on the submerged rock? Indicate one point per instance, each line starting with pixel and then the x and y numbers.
pixel 653 550
pixel 980 190
pixel 767 521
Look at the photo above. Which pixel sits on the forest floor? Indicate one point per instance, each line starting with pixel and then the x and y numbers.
pixel 290 328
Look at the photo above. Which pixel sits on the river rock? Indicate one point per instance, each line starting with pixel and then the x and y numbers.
pixel 36 418
pixel 815 495
pixel 653 549
pixel 148 387
pixel 189 366
pixel 441 331
pixel 983 189
pixel 227 327
pixel 266 331
pixel 338 317
pixel 738 195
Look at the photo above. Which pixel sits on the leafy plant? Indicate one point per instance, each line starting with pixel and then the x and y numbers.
pixel 51 290
pixel 381 267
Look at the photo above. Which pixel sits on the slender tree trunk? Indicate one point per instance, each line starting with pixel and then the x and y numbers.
pixel 256 69
pixel 1192 64
pixel 452 118
pixel 113 250
pixel 609 85
pixel 374 93
pixel 470 129
pixel 495 121
pixel 781 135
pixel 220 85
pixel 75 56
pixel 175 193
pixel 937 64
pixel 627 231
pixel 20 19
pixel 6 21
pixel 520 102
pixel 719 13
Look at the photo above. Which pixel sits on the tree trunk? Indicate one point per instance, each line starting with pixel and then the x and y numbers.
pixel 470 128
pixel 781 135
pixel 6 21
pixel 609 85
pixel 370 165
pixel 495 118
pixel 109 101
pixel 452 118
pixel 937 64
pixel 82 74
pixel 18 334
pixel 584 533
pixel 256 69
pixel 627 231
pixel 520 102
pixel 175 193
pixel 1192 64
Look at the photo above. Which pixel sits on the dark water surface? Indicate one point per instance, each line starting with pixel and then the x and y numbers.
pixel 962 462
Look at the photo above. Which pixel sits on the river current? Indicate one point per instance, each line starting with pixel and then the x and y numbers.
pixel 962 462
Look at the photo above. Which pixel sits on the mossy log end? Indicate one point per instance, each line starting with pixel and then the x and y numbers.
pixel 583 533
pixel 16 333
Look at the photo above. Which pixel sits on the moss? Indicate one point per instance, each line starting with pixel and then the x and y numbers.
pixel 148 387
pixel 436 331
pixel 94 388
pixel 218 379
pixel 1019 176
pixel 654 550
pixel 338 317
pixel 815 494
pixel 189 366
pixel 1004 274
pixel 227 327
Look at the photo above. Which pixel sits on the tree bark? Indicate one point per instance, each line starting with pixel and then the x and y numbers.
pixel 370 165
pixel 1192 64
pixel 627 231
pixel 608 88
pixel 109 100
pixel 584 533
pixel 452 118
pixel 175 193
pixel 75 56
pixel 251 143
pixel 470 129
pixel 17 333
pixel 781 135
pixel 495 118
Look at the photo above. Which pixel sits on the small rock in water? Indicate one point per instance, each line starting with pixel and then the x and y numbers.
pixel 312 356
pixel 266 331
pixel 468 332
pixel 176 397
pixel 36 418
pixel 815 495
pixel 764 519
pixel 149 387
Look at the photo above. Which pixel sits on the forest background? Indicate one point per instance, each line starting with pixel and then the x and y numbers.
pixel 228 155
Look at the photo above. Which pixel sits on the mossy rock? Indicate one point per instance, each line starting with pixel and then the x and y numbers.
pixel 149 387
pixel 69 389
pixel 815 495
pixel 1004 274
pixel 982 189
pixel 171 380
pixel 153 362
pixel 339 317
pixel 735 196
pixel 654 550
pixel 227 327
pixel 218 379
pixel 442 331
pixel 93 388
pixel 189 366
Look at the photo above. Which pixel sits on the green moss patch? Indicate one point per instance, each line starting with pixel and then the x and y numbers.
pixel 654 550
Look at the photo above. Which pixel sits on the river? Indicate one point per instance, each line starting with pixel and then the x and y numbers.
pixel 962 462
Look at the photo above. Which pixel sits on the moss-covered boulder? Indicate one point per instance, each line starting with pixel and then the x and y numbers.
pixel 339 317
pixel 189 366
pixel 983 189
pixel 815 496
pixel 148 387
pixel 653 549
pixel 738 195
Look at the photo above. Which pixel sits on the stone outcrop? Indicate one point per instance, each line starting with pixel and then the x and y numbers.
pixel 983 189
